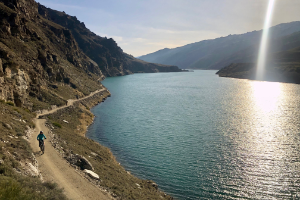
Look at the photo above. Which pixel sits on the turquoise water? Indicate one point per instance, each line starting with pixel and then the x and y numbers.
pixel 199 136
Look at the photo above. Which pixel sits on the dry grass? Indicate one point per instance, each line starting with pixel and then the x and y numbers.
pixel 15 149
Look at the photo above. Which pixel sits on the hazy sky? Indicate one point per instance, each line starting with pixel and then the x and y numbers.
pixel 144 26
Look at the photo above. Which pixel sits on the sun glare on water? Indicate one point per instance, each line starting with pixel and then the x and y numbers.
pixel 264 42
pixel 266 95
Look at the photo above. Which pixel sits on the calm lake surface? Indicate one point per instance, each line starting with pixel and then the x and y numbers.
pixel 199 136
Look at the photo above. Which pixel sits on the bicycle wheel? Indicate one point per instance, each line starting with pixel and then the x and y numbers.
pixel 43 148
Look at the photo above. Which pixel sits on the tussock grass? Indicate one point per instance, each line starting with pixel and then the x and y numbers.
pixel 27 188
pixel 10 103
pixel 57 124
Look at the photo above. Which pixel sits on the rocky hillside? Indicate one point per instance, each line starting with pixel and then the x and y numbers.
pixel 219 52
pixel 105 52
pixel 43 50
pixel 40 59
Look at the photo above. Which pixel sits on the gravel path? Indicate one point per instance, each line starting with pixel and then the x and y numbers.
pixel 55 169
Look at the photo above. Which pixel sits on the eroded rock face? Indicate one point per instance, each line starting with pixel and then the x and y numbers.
pixel 14 86
pixel 21 86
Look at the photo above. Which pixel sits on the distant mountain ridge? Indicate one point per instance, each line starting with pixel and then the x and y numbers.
pixel 217 53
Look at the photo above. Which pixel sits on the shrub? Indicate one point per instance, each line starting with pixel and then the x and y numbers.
pixel 27 110
pixel 10 103
pixel 57 124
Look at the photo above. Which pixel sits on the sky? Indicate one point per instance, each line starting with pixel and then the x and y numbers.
pixel 145 26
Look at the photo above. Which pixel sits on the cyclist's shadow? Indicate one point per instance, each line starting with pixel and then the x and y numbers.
pixel 38 153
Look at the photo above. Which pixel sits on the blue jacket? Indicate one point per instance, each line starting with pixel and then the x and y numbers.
pixel 41 137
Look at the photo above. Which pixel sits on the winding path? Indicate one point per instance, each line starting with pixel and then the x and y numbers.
pixel 55 169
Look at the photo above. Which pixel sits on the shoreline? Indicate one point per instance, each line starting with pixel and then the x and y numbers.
pixel 71 140
pixel 153 183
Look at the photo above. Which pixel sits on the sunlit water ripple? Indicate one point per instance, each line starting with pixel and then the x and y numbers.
pixel 203 137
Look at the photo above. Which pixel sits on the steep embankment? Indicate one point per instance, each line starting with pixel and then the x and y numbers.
pixel 220 52
pixel 104 51
pixel 55 169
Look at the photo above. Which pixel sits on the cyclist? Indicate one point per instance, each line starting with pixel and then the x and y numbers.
pixel 41 138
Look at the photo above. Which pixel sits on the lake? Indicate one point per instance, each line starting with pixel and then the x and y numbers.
pixel 199 136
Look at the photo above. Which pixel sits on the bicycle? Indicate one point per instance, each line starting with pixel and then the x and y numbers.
pixel 42 146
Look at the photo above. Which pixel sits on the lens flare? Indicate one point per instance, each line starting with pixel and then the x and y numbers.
pixel 264 42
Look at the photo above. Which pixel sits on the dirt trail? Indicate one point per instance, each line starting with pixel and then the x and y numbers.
pixel 55 169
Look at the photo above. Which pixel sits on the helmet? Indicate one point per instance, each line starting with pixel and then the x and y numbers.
pixel 41 132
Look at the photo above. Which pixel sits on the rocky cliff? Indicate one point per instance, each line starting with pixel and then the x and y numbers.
pixel 104 51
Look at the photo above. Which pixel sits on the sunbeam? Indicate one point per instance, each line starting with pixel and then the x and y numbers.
pixel 264 42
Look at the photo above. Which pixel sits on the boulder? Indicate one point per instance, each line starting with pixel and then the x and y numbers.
pixel 84 163
pixel 80 161
pixel 153 184
pixel 94 154
pixel 7 126
pixel 91 174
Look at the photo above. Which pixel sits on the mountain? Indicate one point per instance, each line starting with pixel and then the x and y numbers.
pixel 41 47
pixel 283 62
pixel 110 58
pixel 219 52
